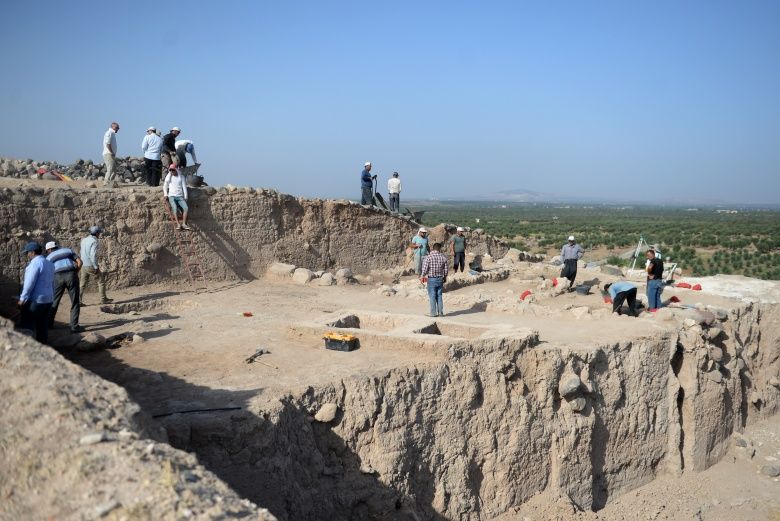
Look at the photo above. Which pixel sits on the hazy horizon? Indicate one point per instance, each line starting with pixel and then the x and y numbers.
pixel 649 102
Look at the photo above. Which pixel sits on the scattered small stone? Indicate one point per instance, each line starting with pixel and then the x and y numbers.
pixel 104 509
pixel 770 470
pixel 93 438
pixel 716 353
pixel 138 339
pixel 365 468
pixel 755 398
pixel 190 476
pixel 715 376
pixel 569 386
pixel 577 404
pixel 326 413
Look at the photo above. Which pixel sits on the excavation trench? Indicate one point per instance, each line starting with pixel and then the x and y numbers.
pixel 495 423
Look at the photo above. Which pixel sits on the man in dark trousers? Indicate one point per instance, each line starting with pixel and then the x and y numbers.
pixel 458 250
pixel 571 253
pixel 37 292
pixel 619 292
pixel 168 155
pixel 655 280
pixel 66 276
pixel 367 185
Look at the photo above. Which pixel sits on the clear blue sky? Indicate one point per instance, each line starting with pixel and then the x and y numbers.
pixel 590 98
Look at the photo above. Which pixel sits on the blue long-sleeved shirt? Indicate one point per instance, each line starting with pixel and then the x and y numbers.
pixel 620 287
pixel 571 251
pixel 38 281
pixel 152 146
pixel 365 179
pixel 89 249
pixel 64 259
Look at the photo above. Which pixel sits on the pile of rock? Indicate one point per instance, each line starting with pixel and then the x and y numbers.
pixel 128 169
pixel 282 271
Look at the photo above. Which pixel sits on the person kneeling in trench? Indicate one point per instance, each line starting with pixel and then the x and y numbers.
pixel 175 192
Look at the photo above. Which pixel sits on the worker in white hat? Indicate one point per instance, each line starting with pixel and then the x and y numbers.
pixel 169 148
pixel 66 277
pixel 419 246
pixel 571 253
pixel 152 146
pixel 458 250
pixel 367 184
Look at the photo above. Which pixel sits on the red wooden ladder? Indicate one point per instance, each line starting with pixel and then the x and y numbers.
pixel 187 242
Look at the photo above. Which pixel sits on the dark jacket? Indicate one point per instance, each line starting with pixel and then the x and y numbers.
pixel 169 143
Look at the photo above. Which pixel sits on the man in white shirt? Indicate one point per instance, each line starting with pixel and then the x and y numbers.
pixel 151 146
pixel 394 190
pixel 175 192
pixel 109 152
pixel 184 146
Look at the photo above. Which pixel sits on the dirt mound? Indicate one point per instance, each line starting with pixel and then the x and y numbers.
pixel 71 438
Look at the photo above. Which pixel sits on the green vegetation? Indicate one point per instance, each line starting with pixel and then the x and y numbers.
pixel 704 241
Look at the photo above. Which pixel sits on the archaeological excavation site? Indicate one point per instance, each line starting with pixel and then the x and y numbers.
pixel 215 398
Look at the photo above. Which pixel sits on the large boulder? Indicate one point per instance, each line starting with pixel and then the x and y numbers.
pixel 280 270
pixel 302 275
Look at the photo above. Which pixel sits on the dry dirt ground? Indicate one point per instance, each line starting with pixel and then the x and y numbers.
pixel 194 348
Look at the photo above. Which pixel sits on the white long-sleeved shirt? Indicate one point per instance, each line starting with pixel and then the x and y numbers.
pixel 174 186
pixel 109 138
pixel 183 144
pixel 394 185
pixel 151 146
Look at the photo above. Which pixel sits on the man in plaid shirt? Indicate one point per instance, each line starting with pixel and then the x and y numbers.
pixel 435 267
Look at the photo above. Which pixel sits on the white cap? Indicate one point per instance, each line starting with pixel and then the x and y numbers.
pixel 571 237
pixel 460 229
pixel 50 245
pixel 151 129
pixel 367 163
pixel 423 230
pixel 177 129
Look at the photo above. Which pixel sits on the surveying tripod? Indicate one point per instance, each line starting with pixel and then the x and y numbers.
pixel 642 242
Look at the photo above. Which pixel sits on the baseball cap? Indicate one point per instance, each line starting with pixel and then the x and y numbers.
pixel 367 163
pixel 460 229
pixel 177 129
pixel 151 129
pixel 571 237
pixel 94 230
pixel 50 245
pixel 423 230
pixel 31 246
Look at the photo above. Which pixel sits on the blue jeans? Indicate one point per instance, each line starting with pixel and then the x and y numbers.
pixel 654 289
pixel 176 200
pixel 435 286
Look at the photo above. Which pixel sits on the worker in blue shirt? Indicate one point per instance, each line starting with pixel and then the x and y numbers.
pixel 367 185
pixel 37 292
pixel 619 292
pixel 66 277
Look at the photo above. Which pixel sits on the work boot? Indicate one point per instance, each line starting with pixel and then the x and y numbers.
pixel 76 329
pixel 186 227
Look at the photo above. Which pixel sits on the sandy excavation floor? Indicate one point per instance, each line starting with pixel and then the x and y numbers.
pixel 204 339
pixel 194 348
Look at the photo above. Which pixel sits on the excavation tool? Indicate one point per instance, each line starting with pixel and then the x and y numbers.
pixel 257 354
pixel 410 257
pixel 187 242
pixel 378 199
pixel 642 242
